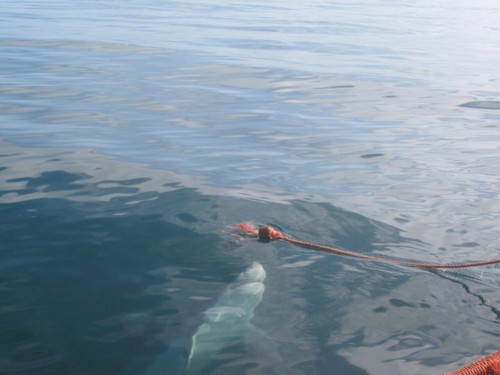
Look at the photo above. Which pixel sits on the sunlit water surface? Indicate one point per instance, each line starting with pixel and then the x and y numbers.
pixel 134 134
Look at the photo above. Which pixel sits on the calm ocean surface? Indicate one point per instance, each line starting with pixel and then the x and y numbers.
pixel 134 134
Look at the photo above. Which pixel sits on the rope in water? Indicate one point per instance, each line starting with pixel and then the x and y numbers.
pixel 268 233
pixel 489 365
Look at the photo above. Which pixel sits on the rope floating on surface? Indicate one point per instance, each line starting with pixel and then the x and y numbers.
pixel 489 365
pixel 268 233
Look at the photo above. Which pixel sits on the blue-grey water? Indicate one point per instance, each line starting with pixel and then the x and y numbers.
pixel 134 134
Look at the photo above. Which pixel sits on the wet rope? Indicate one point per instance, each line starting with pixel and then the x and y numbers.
pixel 268 233
pixel 489 365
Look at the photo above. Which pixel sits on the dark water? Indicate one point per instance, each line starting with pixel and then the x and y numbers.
pixel 133 135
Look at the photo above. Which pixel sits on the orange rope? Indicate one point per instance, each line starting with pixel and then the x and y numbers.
pixel 489 365
pixel 268 233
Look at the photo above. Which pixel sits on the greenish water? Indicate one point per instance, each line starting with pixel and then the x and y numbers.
pixel 134 135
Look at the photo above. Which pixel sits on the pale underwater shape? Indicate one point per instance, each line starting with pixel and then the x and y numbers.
pixel 224 323
pixel 228 319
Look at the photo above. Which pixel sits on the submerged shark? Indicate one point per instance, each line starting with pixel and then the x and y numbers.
pixel 227 320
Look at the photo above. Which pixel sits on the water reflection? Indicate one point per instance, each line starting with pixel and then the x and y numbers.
pixel 482 104
pixel 112 266
pixel 134 135
pixel 408 155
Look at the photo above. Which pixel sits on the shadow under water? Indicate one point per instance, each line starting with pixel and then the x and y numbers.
pixel 104 269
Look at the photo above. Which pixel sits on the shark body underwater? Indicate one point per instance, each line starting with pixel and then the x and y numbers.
pixel 228 319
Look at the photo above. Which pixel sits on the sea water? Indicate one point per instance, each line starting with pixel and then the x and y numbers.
pixel 134 134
